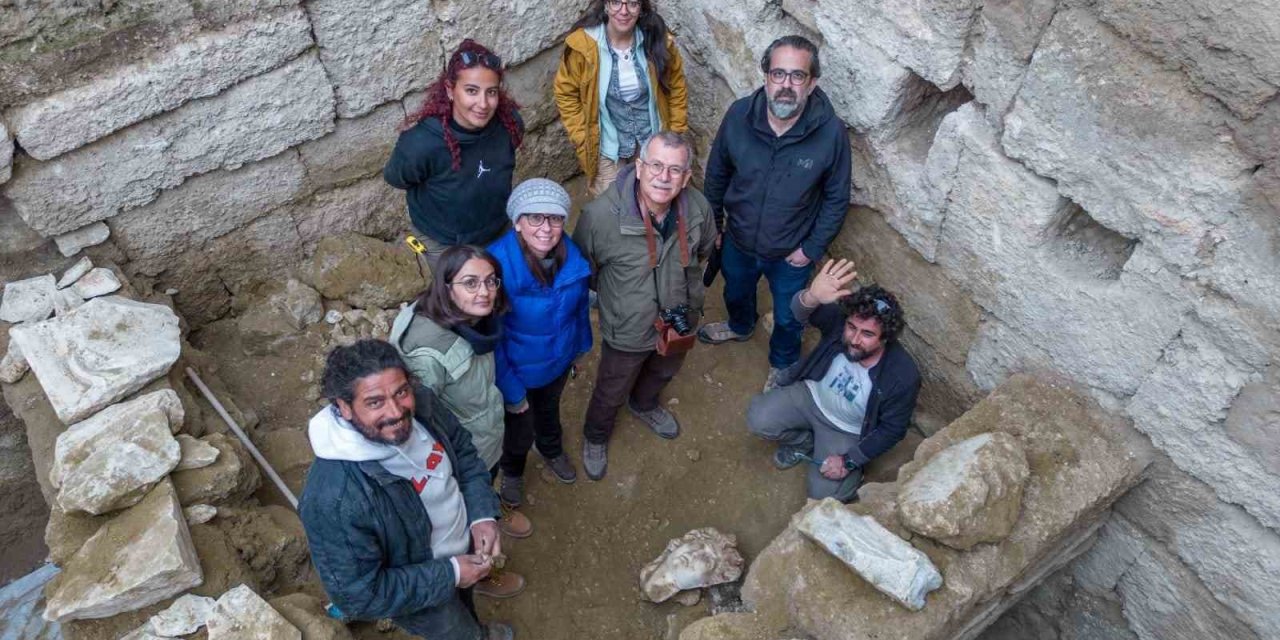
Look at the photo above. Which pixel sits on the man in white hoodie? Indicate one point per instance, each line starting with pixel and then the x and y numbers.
pixel 398 508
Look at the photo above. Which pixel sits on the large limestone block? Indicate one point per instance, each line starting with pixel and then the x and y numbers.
pixel 700 558
pixel 140 557
pixel 1230 51
pixel 99 352
pixel 1161 599
pixel 1182 402
pixel 969 493
pixel 1234 555
pixel 112 459
pixel 364 272
pixel 929 38
pixel 357 148
pixel 531 84
pixel 206 207
pixel 885 561
pixel 1125 138
pixel 377 51
pixel 29 300
pixel 185 616
pixel 255 119
pixel 733 36
pixel 1004 37
pixel 369 207
pixel 518 30
pixel 232 476
pixel 201 67
pixel 241 614
pixel 1081 460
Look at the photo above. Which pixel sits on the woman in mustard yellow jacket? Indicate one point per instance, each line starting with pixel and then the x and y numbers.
pixel 620 80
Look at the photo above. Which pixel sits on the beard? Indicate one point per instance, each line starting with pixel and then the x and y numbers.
pixel 785 104
pixel 855 354
pixel 373 432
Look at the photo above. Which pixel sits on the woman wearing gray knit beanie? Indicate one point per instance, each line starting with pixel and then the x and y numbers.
pixel 546 328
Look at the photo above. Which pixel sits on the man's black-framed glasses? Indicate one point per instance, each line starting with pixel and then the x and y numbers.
pixel 471 284
pixel 797 77
pixel 470 59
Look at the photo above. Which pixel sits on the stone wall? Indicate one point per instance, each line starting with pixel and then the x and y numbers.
pixel 1088 187
pixel 218 142
pixel 1083 186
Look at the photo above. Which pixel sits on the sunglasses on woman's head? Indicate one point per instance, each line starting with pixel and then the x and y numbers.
pixel 470 59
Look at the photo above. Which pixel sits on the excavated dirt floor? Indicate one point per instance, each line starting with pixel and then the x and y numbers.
pixel 591 538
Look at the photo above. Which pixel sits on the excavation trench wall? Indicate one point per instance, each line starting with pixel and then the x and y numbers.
pixel 1085 187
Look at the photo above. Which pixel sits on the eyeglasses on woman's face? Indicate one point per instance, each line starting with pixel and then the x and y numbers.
pixel 471 284
pixel 539 219
pixel 615 6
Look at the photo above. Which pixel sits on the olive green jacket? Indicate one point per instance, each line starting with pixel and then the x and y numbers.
pixel 464 382
pixel 611 235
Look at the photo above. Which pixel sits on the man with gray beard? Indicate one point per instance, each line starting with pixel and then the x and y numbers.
pixel 779 172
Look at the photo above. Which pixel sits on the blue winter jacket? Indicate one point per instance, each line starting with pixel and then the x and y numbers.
pixel 545 328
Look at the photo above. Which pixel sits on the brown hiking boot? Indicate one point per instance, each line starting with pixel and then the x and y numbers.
pixel 515 524
pixel 500 585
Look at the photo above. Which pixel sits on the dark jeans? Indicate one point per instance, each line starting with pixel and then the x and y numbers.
pixel 789 416
pixel 624 375
pixel 540 423
pixel 741 273
pixel 453 620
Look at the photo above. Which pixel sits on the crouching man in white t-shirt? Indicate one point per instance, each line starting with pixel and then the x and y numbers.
pixel 851 398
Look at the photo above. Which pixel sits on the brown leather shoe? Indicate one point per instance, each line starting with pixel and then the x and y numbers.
pixel 515 524
pixel 500 585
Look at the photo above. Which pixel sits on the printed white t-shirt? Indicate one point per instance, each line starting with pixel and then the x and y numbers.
pixel 842 394
pixel 422 461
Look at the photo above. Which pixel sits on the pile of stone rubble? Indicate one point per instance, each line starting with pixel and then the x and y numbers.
pixel 154 524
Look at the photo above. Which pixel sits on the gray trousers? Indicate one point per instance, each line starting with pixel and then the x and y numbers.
pixel 789 416
pixel 455 619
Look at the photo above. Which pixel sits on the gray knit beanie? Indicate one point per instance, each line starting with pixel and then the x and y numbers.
pixel 538 195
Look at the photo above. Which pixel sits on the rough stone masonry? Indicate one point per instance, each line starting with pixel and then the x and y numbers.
pixel 1083 187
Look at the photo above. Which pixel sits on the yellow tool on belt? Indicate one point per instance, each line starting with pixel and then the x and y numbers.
pixel 420 252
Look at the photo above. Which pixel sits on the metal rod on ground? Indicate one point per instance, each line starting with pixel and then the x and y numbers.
pixel 235 428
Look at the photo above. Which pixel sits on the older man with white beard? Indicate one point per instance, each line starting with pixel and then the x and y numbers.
pixel 779 172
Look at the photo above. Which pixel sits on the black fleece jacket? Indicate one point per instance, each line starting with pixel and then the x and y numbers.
pixel 466 206
pixel 895 381
pixel 780 192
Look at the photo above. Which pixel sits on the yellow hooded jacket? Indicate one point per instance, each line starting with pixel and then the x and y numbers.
pixel 578 95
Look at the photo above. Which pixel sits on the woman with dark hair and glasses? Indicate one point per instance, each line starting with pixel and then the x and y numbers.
pixel 547 328
pixel 448 337
pixel 456 154
pixel 620 80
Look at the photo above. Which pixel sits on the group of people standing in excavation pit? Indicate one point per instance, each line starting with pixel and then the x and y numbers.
pixel 399 507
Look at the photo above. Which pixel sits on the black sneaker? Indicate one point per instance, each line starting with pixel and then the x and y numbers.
pixel 786 457
pixel 562 467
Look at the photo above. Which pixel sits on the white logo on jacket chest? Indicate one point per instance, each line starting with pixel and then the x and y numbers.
pixel 482 170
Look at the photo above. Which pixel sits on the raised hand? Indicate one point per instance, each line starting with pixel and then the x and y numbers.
pixel 832 282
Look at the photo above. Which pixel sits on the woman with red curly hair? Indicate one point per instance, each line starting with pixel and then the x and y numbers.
pixel 457 154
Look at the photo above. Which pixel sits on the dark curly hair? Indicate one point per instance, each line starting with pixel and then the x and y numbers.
pixel 873 301
pixel 438 105
pixel 345 366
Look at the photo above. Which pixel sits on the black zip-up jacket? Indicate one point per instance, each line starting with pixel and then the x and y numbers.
pixel 467 206
pixel 895 381
pixel 780 192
